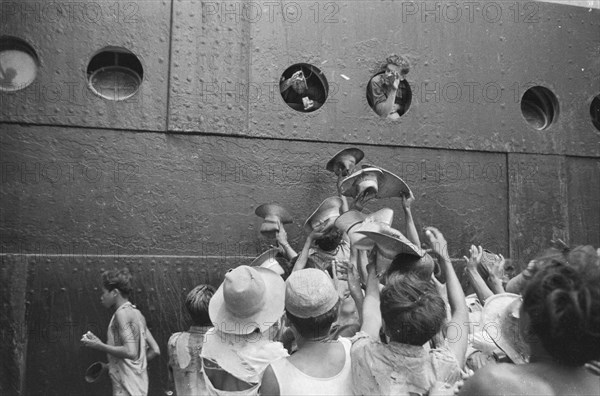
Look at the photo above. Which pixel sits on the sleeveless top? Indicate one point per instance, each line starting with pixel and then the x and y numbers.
pixel 185 363
pixel 129 377
pixel 294 382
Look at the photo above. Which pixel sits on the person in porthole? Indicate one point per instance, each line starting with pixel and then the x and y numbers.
pixel 302 93
pixel 388 93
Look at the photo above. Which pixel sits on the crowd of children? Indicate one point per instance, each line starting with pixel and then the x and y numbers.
pixel 366 309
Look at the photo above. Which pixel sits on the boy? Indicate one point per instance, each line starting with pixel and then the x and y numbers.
pixel 184 347
pixel 321 365
pixel 128 337
pixel 411 312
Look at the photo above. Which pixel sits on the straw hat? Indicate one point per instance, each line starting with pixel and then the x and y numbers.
pixel 390 185
pixel 500 321
pixel 248 298
pixel 329 209
pixel 309 293
pixel 344 161
pixel 268 260
pixel 353 221
pixel 390 241
pixel 273 214
pixel 363 184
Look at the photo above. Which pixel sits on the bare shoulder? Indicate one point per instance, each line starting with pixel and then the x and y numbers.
pixel 505 379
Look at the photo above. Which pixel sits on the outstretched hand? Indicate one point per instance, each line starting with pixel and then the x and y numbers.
pixel 476 253
pixel 281 235
pixel 407 201
pixel 437 242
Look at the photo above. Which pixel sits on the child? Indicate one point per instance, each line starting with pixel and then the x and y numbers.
pixel 411 312
pixel 184 347
pixel 321 365
pixel 128 337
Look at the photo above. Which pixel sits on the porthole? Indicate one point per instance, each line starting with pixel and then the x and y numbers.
pixel 381 86
pixel 539 107
pixel 18 64
pixel 115 73
pixel 303 87
pixel 595 112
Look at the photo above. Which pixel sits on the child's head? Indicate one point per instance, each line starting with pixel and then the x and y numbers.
pixel 405 263
pixel 412 310
pixel 118 279
pixel 562 306
pixel 311 303
pixel 196 304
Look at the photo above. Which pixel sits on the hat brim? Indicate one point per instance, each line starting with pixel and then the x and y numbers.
pixel 398 243
pixel 275 210
pixel 265 256
pixel 498 309
pixel 355 152
pixel 349 219
pixel 274 304
pixel 349 187
pixel 328 203
pixel 390 185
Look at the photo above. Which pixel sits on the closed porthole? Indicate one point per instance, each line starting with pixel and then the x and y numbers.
pixel 115 73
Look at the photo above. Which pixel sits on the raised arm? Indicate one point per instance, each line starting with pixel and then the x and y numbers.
pixel 371 312
pixel 345 206
pixel 481 288
pixel 348 271
pixel 386 107
pixel 456 296
pixel 496 275
pixel 303 257
pixel 411 230
pixel 282 241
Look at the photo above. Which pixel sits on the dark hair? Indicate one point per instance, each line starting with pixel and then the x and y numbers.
pixel 196 304
pixel 315 326
pixel 412 310
pixel 400 61
pixel 330 241
pixel 119 279
pixel 405 263
pixel 563 303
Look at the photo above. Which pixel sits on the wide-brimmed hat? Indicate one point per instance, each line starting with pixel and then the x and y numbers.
pixel 344 161
pixel 390 185
pixel 309 293
pixel 366 180
pixel 268 260
pixel 272 213
pixel 328 209
pixel 248 298
pixel 500 321
pixel 390 241
pixel 353 220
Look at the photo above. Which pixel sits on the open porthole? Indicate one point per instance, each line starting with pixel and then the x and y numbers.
pixel 18 64
pixel 539 107
pixel 595 112
pixel 390 78
pixel 115 73
pixel 303 87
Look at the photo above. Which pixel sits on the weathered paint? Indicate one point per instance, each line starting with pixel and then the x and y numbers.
pixel 65 36
pixel 167 182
